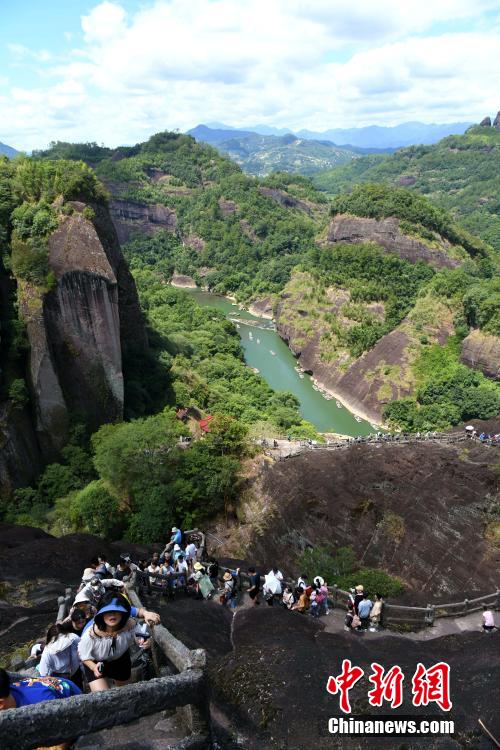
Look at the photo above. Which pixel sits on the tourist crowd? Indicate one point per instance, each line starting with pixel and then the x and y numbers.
pixel 92 645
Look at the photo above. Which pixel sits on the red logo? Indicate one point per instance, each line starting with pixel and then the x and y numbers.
pixel 343 683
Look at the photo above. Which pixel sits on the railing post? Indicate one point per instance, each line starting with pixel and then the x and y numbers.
pixel 466 604
pixel 497 605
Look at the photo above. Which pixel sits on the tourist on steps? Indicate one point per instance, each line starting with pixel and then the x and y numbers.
pixel 376 613
pixel 364 609
pixel 254 590
pixel 105 643
pixel 488 619
pixel 60 655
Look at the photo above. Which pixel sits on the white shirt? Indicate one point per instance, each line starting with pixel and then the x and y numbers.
pixel 60 656
pixel 106 648
pixel 191 551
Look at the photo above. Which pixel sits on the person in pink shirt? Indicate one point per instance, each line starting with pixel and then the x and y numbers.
pixel 488 619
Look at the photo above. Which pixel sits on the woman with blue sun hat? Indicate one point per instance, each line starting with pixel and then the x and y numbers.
pixel 104 647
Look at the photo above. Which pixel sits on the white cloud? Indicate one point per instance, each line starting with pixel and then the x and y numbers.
pixel 173 64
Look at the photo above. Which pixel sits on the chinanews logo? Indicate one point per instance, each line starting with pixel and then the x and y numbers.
pixel 430 686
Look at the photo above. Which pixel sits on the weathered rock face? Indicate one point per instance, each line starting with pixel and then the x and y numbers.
pixel 387 233
pixel 496 122
pixel 20 459
pixel 274 681
pixel 481 351
pixel 485 122
pixel 74 334
pixel 80 330
pixel 382 374
pixel 284 199
pixel 130 218
pixel 423 512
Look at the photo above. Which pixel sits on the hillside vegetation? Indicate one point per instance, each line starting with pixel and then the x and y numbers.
pixel 261 154
pixel 132 477
pixel 460 174
pixel 251 237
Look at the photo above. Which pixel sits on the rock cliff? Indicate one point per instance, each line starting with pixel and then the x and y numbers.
pixel 481 351
pixel 387 233
pixel 131 218
pixel 383 373
pixel 411 510
pixel 79 329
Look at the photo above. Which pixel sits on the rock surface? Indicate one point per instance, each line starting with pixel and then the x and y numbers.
pixel 420 511
pixel 387 233
pixel 131 218
pixel 274 684
pixel 485 122
pixel 285 199
pixel 74 334
pixel 481 351
pixel 381 374
pixel 496 122
pixel 20 459
pixel 182 281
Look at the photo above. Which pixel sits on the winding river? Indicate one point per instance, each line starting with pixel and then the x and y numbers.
pixel 268 353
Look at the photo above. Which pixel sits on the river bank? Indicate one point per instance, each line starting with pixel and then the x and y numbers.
pixel 268 353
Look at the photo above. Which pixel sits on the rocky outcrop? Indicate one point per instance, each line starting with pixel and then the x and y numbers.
pixel 284 199
pixel 74 335
pixel 262 308
pixel 380 375
pixel 496 122
pixel 227 207
pixel 182 281
pixel 481 351
pixel 131 218
pixel 79 329
pixel 387 234
pixel 485 122
pixel 195 241
pixel 20 459
pixel 443 496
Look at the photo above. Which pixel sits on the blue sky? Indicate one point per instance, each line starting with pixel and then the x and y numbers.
pixel 115 72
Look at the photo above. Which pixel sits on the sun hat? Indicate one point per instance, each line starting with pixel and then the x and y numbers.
pixel 116 604
pixel 227 576
pixel 198 566
pixel 174 528
pixel 177 546
pixel 359 589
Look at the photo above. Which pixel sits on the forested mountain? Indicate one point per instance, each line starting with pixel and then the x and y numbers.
pixel 365 290
pixel 460 174
pixel 261 154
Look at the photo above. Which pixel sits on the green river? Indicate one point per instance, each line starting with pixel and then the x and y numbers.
pixel 268 353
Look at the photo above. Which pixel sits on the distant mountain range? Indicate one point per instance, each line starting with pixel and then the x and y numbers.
pixel 372 136
pixel 7 151
pixel 261 154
